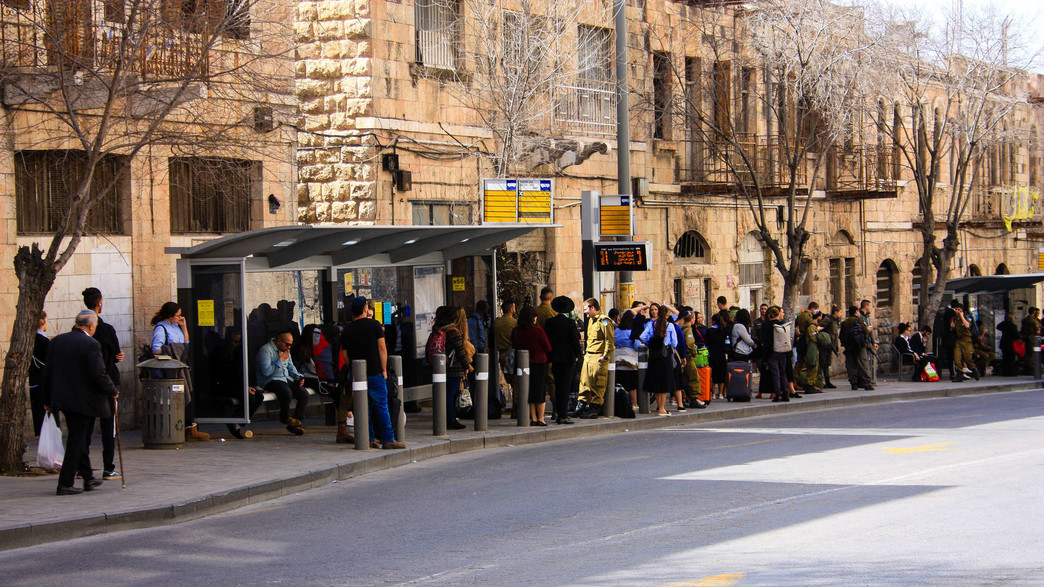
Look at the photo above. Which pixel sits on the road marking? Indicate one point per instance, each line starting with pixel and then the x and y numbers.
pixel 725 580
pixel 923 448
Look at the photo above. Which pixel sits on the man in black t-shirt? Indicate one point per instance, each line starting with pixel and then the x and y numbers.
pixel 363 340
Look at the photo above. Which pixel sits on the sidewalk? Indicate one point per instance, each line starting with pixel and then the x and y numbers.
pixel 203 478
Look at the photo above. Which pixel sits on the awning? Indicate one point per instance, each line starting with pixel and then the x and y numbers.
pixel 318 246
pixel 993 283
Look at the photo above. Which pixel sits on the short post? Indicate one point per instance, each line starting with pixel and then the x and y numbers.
pixel 361 405
pixel 480 395
pixel 395 382
pixel 522 389
pixel 1036 358
pixel 609 401
pixel 438 395
pixel 643 366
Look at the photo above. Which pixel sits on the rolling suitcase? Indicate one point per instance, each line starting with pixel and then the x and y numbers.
pixel 738 387
pixel 705 384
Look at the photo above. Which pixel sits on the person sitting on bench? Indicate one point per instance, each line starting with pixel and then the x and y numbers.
pixel 276 373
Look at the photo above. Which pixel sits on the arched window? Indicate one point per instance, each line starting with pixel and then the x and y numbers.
pixel 1002 269
pixel 974 271
pixel 842 237
pixel 691 246
pixel 886 278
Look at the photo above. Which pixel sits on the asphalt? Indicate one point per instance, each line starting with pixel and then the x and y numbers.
pixel 204 478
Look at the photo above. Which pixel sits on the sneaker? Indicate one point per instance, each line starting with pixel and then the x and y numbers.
pixel 682 409
pixel 107 475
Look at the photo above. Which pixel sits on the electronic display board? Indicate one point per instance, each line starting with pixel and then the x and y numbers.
pixel 621 256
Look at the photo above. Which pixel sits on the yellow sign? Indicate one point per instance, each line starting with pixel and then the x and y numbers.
pixel 1020 204
pixel 349 282
pixel 205 312
pixel 1040 260
pixel 614 216
pixel 458 284
pixel 517 200
pixel 378 312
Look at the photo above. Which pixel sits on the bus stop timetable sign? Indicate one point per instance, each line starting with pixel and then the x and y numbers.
pixel 621 256
pixel 519 200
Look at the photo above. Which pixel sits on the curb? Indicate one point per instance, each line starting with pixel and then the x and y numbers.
pixel 30 534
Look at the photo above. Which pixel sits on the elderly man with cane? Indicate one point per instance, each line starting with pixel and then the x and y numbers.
pixel 76 382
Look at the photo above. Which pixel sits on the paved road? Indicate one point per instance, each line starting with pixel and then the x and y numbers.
pixel 930 492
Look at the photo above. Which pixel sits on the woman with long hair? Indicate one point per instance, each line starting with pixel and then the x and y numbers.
pixel 662 340
pixel 718 355
pixel 170 336
pixel 743 344
pixel 458 362
pixel 527 336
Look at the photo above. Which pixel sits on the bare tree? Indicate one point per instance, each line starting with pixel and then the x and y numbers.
pixel 101 80
pixel 521 68
pixel 797 69
pixel 954 84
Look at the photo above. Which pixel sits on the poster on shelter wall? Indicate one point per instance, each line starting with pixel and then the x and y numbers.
pixel 429 292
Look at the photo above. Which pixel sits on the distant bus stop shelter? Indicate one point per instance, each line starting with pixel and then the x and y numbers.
pixel 989 297
pixel 239 291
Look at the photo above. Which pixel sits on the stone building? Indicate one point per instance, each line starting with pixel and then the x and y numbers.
pixel 183 186
pixel 405 78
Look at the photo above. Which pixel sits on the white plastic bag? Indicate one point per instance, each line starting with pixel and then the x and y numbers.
pixel 50 452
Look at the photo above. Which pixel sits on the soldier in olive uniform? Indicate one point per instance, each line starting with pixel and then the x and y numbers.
pixel 963 362
pixel 594 375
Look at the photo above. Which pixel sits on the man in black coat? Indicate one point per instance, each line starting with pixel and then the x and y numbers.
pixel 565 351
pixel 111 356
pixel 76 382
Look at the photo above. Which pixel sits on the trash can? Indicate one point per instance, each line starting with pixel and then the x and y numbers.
pixel 163 402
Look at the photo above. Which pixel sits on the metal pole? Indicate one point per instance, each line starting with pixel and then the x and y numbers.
pixel 609 401
pixel 643 366
pixel 438 395
pixel 522 390
pixel 1036 359
pixel 623 117
pixel 361 405
pixel 395 382
pixel 480 397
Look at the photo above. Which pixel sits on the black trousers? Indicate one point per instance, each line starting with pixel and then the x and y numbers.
pixel 77 449
pixel 284 391
pixel 563 374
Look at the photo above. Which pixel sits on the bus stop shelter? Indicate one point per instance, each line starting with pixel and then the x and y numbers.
pixel 238 291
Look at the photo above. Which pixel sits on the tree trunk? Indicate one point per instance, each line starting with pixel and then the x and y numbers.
pixel 942 258
pixel 35 278
pixel 926 310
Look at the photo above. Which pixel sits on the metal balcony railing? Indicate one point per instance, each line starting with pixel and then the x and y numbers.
pixel 587 107
pixel 739 161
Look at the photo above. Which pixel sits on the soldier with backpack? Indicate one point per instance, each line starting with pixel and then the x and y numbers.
pixel 853 338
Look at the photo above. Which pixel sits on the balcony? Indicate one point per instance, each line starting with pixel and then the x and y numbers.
pixel 66 34
pixel 724 166
pixel 587 108
pixel 863 172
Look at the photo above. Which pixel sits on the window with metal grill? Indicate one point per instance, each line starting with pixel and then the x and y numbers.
pixel 438 33
pixel 691 246
pixel 46 181
pixel 440 213
pixel 212 194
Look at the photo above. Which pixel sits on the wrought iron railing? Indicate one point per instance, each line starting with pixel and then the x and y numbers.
pixel 587 107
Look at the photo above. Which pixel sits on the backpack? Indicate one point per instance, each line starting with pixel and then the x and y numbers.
pixel 622 403
pixel 847 336
pixel 436 345
pixel 781 342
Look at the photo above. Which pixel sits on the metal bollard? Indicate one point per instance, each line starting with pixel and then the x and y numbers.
pixel 1036 359
pixel 522 392
pixel 643 366
pixel 438 395
pixel 395 382
pixel 480 395
pixel 361 405
pixel 609 400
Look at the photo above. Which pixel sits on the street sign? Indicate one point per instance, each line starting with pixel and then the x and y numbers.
pixel 510 201
pixel 614 216
pixel 622 256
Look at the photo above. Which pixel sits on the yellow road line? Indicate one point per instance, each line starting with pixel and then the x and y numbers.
pixel 923 448
pixel 713 581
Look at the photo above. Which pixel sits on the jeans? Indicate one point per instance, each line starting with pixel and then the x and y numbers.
pixel 452 388
pixel 380 420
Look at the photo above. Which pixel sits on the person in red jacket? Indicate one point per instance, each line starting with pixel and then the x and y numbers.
pixel 527 336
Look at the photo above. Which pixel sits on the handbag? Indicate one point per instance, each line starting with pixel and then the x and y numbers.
pixel 49 452
pixel 464 397
pixel 1019 347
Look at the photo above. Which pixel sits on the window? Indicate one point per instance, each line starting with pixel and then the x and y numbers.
pixel 212 194
pixel 438 33
pixel 751 261
pixel 745 114
pixel 691 246
pixel 440 214
pixel 70 35
pixel 230 18
pixel 661 96
pixel 19 4
pixel 886 274
pixel 842 281
pixel 915 275
pixel 114 11
pixel 595 53
pixel 45 181
pixel 722 78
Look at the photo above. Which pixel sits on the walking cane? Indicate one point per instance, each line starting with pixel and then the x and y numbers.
pixel 119 445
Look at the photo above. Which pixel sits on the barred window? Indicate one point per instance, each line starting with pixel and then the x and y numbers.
pixel 691 246
pixel 46 181
pixel 212 194
pixel 438 33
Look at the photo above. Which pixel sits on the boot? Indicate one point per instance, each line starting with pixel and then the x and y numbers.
pixel 343 436
pixel 579 409
pixel 193 433
pixel 591 412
